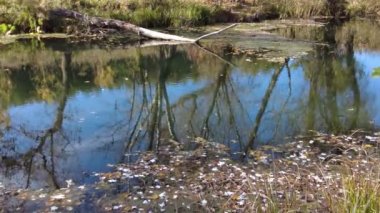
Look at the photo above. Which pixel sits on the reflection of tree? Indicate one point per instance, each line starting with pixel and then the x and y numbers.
pixel 5 89
pixel 149 124
pixel 365 32
pixel 219 109
pixel 221 80
pixel 57 125
pixel 223 102
pixel 332 75
pixel 104 76
pixel 49 135
pixel 164 65
pixel 263 106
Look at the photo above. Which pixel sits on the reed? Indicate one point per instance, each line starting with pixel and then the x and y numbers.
pixel 360 194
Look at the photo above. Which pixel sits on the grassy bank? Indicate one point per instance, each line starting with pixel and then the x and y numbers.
pixel 32 15
pixel 20 16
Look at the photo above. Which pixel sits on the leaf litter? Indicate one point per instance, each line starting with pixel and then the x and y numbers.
pixel 302 174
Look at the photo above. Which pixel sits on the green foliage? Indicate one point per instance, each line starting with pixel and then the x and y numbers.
pixel 6 28
pixel 26 16
pixel 28 21
pixel 32 15
pixel 171 13
pixel 149 17
pixel 193 14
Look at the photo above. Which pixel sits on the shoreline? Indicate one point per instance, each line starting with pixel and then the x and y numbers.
pixel 37 18
pixel 319 173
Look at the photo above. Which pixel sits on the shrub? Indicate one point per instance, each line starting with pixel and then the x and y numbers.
pixel 6 28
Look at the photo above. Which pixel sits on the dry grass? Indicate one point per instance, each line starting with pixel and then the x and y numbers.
pixel 358 193
pixel 302 8
pixel 31 15
pixel 363 7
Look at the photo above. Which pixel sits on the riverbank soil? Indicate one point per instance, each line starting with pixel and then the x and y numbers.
pixel 323 173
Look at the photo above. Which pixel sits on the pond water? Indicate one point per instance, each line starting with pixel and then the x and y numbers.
pixel 67 110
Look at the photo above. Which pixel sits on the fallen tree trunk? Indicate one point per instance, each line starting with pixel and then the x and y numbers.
pixel 121 25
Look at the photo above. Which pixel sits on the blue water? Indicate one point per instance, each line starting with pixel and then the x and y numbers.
pixel 54 129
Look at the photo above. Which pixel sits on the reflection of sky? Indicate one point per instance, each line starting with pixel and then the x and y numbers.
pixel 369 61
pixel 89 121
pixel 251 90
pixel 36 116
pixel 90 118
pixel 32 117
pixel 177 90
pixel 91 112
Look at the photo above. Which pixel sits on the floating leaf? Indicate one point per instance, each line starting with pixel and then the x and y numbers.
pixel 376 72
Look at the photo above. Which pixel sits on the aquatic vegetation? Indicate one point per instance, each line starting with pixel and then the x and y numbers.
pixel 6 29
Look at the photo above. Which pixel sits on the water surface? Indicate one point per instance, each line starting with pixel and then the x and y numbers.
pixel 69 109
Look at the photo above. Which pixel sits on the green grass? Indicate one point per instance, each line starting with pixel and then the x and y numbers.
pixel 175 13
pixel 360 195
pixel 32 15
